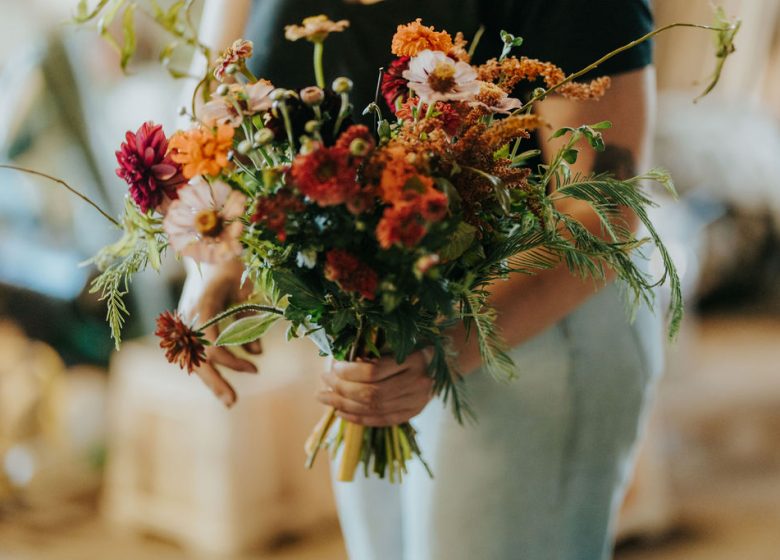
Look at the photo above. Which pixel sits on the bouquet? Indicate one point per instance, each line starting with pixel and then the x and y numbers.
pixel 375 238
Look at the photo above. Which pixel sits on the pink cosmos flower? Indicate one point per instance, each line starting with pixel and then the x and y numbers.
pixel 145 165
pixel 203 223
pixel 240 100
pixel 434 76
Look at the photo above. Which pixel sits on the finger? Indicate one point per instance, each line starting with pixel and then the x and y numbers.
pixel 387 367
pixel 380 420
pixel 218 385
pixel 415 401
pixel 255 347
pixel 367 394
pixel 361 372
pixel 225 357
pixel 343 404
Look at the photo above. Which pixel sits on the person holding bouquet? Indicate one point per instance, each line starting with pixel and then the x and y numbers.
pixel 541 474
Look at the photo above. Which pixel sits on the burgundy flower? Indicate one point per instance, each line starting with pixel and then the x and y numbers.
pixel 394 85
pixel 183 345
pixel 146 167
pixel 350 273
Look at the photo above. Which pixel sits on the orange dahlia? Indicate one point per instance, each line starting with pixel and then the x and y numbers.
pixel 413 38
pixel 202 151
pixel 401 224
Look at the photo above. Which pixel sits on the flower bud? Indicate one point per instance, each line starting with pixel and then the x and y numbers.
pixel 231 69
pixel 308 145
pixel 342 85
pixel 359 147
pixel 425 263
pixel 264 136
pixel 279 94
pixel 222 90
pixel 312 126
pixel 312 96
pixel 244 147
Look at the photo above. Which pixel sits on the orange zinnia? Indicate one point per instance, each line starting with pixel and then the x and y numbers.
pixel 202 151
pixel 413 38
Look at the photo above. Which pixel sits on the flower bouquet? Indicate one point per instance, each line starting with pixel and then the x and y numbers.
pixel 375 240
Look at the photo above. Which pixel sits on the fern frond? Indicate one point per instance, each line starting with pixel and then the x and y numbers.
pixel 492 348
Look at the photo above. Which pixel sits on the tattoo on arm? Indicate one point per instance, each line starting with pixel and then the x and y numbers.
pixel 617 161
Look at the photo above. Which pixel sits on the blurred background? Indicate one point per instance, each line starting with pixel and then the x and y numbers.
pixel 121 456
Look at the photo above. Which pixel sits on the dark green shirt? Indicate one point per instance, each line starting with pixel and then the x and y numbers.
pixel 569 33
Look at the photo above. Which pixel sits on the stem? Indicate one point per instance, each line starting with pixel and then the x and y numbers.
pixel 288 126
pixel 603 59
pixel 239 309
pixel 82 196
pixel 319 75
pixel 475 41
pixel 343 113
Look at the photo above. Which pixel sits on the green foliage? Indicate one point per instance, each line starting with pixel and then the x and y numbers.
pixel 246 329
pixel 141 245
pixel 174 17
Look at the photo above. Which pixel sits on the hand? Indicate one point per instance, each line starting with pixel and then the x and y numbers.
pixel 378 392
pixel 203 297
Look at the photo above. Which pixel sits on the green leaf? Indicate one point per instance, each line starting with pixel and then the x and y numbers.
pixel 83 14
pixel 341 318
pixel 570 155
pixel 128 34
pixel 460 240
pixel 247 329
pixel 561 131
pixel 301 294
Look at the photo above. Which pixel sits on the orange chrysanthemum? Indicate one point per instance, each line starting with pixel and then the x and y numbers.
pixel 413 38
pixel 202 151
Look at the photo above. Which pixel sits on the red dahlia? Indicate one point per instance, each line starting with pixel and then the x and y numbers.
pixel 350 273
pixel 272 211
pixel 145 165
pixel 183 345
pixel 328 176
pixel 394 85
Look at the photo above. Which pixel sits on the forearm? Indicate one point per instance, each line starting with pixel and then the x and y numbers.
pixel 529 304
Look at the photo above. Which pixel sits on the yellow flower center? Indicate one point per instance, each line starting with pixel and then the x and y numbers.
pixel 442 78
pixel 208 223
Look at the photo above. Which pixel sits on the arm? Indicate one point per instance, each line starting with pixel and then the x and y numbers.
pixel 386 393
pixel 527 304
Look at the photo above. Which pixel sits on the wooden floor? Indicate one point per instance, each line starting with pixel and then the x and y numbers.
pixel 727 501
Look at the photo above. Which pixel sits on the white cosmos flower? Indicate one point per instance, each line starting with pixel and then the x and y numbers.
pixel 436 77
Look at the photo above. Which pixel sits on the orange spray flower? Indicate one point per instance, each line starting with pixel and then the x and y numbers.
pixel 413 38
pixel 202 151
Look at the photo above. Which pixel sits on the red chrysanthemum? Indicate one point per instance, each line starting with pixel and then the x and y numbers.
pixel 272 211
pixel 350 273
pixel 394 85
pixel 356 132
pixel 183 345
pixel 328 176
pixel 145 165
pixel 445 114
pixel 400 224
